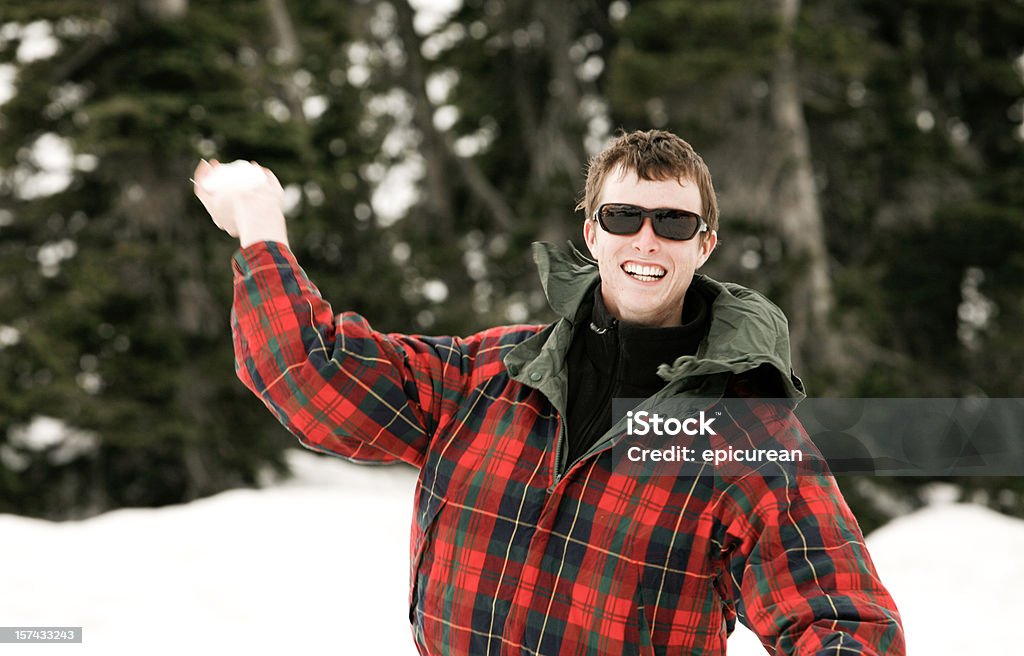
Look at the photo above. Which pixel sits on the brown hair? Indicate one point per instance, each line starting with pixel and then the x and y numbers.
pixel 652 155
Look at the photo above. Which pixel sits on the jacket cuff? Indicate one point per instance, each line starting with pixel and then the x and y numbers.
pixel 260 255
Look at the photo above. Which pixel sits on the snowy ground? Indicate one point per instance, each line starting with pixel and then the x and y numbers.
pixel 318 565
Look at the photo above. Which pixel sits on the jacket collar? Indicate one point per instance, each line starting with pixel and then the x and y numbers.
pixel 747 331
pixel 567 278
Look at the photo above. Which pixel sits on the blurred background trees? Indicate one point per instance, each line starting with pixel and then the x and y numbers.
pixel 869 158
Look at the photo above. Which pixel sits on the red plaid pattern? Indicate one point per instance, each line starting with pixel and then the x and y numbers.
pixel 508 556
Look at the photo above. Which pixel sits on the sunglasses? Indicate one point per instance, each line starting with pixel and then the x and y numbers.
pixel 623 219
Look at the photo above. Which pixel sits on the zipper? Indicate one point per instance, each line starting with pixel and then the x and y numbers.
pixel 559 433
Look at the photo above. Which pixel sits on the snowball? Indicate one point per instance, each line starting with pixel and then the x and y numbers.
pixel 239 174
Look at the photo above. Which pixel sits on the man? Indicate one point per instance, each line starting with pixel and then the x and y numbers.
pixel 529 535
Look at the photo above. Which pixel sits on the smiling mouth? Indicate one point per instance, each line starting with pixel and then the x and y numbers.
pixel 644 273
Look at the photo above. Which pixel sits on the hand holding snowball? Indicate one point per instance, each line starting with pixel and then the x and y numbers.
pixel 244 199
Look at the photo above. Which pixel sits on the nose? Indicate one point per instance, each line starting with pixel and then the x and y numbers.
pixel 644 240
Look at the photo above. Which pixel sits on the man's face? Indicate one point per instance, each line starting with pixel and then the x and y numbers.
pixel 647 301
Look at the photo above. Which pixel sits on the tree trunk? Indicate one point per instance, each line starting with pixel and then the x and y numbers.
pixel 438 189
pixel 557 156
pixel 290 57
pixel 810 299
pixel 438 148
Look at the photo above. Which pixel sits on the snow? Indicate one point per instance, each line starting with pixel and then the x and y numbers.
pixel 316 565
pixel 956 572
pixel 37 42
pixel 8 72
pixel 51 160
pixel 319 565
pixel 432 14
pixel 238 174
pixel 61 442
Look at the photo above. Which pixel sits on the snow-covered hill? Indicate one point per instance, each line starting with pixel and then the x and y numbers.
pixel 318 565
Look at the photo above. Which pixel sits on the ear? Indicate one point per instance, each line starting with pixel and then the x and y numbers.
pixel 590 235
pixel 707 246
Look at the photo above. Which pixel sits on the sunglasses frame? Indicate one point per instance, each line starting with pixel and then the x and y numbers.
pixel 702 225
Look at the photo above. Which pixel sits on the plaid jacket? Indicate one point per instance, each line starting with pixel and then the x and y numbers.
pixel 515 551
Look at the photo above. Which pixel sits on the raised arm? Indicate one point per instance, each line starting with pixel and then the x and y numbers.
pixel 338 385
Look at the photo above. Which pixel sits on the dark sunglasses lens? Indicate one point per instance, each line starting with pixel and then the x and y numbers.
pixel 675 224
pixel 621 219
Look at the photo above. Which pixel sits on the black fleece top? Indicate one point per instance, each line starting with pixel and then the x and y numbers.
pixel 610 359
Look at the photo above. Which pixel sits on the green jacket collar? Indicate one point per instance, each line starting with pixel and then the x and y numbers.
pixel 567 278
pixel 747 331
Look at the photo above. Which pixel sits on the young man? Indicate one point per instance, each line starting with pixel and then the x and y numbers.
pixel 529 535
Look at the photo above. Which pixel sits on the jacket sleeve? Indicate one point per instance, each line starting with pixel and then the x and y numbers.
pixel 801 575
pixel 338 385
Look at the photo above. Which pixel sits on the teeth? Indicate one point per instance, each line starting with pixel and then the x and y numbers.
pixel 644 273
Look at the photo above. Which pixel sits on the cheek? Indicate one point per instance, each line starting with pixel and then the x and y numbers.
pixel 607 269
pixel 605 248
pixel 696 257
